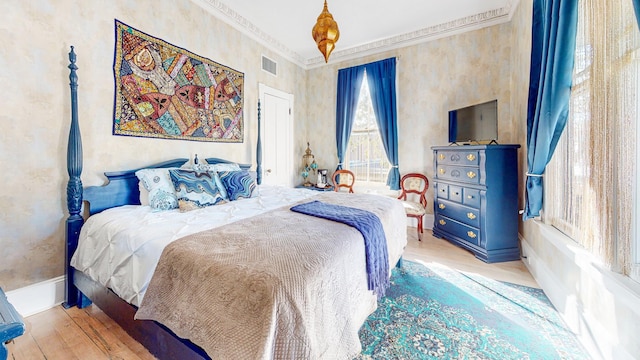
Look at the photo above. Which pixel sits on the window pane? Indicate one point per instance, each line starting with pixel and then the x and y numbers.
pixel 590 181
pixel 365 153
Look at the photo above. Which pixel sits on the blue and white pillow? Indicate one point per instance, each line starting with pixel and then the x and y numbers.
pixel 195 189
pixel 217 167
pixel 212 169
pixel 157 182
pixel 239 184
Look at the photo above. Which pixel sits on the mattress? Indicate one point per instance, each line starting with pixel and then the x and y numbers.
pixel 120 247
pixel 281 285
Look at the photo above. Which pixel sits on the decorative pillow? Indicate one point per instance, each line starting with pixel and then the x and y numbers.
pixel 224 167
pixel 158 183
pixel 144 194
pixel 204 168
pixel 239 184
pixel 195 189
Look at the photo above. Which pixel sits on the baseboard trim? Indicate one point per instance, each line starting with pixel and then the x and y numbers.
pixel 427 222
pixel 38 297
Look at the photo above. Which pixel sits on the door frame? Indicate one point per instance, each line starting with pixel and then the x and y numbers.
pixel 264 89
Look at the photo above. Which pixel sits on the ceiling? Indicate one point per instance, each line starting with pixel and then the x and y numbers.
pixel 366 26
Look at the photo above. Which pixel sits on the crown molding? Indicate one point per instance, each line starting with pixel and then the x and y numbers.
pixel 458 26
pixel 473 22
pixel 231 17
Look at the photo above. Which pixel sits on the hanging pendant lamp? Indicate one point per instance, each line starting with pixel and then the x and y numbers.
pixel 325 32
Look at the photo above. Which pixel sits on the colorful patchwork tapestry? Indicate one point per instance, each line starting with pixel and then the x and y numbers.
pixel 164 91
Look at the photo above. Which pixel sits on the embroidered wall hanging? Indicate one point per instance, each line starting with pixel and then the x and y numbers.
pixel 164 91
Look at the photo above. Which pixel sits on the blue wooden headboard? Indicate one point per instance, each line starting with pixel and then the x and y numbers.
pixel 121 188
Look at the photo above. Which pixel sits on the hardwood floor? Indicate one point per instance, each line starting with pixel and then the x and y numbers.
pixel 74 333
pixel 88 333
pixel 434 250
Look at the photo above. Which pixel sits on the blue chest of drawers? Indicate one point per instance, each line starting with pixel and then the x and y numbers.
pixel 476 199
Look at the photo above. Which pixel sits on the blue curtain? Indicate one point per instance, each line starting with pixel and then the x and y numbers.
pixel 349 82
pixel 636 8
pixel 381 76
pixel 552 52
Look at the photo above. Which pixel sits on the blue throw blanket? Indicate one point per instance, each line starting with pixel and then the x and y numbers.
pixel 369 225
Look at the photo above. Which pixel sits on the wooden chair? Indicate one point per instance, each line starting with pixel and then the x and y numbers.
pixel 346 180
pixel 418 184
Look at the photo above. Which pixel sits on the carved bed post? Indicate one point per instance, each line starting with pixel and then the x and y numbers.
pixel 259 151
pixel 74 186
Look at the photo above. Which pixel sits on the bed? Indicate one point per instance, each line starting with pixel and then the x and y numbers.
pixel 246 279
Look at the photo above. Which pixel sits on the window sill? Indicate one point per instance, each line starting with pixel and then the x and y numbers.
pixel 375 188
pixel 585 260
pixel 600 306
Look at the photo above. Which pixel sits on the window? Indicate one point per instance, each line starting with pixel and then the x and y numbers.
pixel 597 151
pixel 365 155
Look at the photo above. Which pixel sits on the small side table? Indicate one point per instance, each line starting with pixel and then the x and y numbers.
pixel 11 324
pixel 330 188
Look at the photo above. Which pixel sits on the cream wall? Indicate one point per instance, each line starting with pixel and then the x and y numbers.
pixel 432 78
pixel 34 38
pixel 520 61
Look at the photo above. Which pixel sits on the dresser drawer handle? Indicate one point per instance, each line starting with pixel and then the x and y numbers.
pixel 442 206
pixel 471 174
pixel 441 171
pixel 442 222
pixel 471 216
pixel 471 157
pixel 471 234
pixel 441 156
pixel 469 196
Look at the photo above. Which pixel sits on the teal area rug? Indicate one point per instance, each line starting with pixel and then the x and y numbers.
pixel 434 312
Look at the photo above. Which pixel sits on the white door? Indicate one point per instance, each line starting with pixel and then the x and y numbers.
pixel 277 136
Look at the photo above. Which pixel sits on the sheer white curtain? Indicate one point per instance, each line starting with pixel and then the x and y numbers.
pixel 590 181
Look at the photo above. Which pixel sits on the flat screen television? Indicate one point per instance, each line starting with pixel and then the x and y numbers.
pixel 474 124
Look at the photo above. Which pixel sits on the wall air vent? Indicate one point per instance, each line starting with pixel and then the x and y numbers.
pixel 269 66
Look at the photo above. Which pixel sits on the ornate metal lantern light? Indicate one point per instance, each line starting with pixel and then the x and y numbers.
pixel 309 163
pixel 325 32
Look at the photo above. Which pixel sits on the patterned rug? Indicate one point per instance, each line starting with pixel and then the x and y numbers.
pixel 434 312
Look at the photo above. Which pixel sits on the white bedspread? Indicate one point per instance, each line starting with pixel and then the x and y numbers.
pixel 120 247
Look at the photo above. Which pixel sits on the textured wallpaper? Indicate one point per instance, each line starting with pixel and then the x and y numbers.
pixel 432 78
pixel 521 60
pixel 35 37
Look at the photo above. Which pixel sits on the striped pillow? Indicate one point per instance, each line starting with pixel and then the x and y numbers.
pixel 195 190
pixel 239 184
